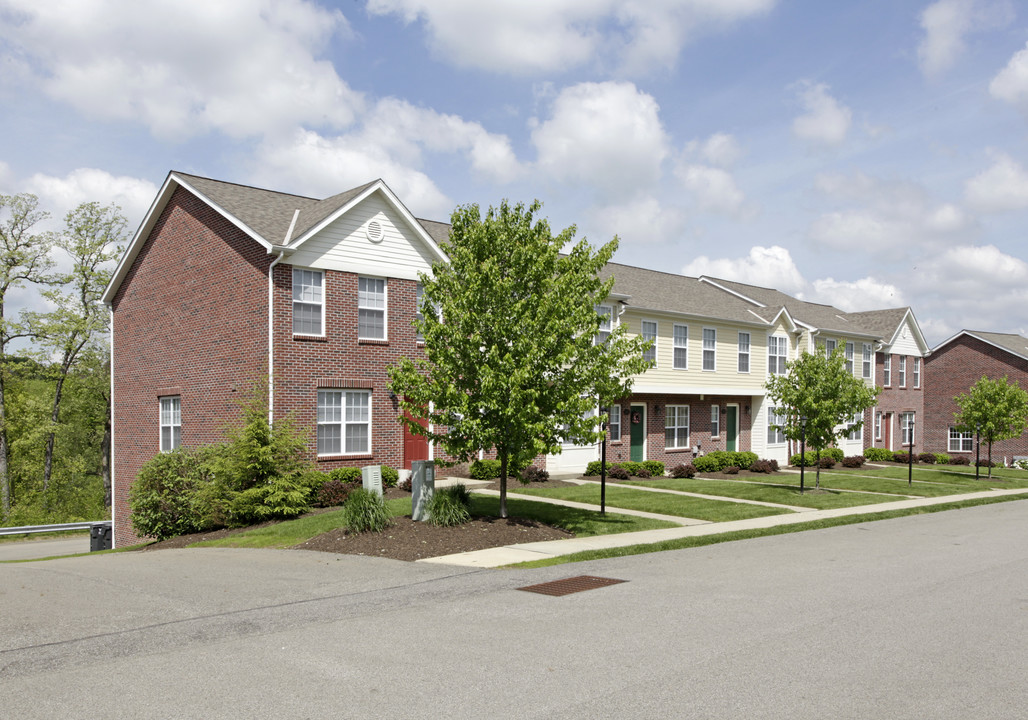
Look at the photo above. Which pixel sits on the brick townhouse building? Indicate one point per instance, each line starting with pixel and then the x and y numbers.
pixel 952 368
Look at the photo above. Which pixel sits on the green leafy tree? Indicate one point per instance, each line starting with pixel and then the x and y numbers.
pixel 24 257
pixel 509 327
pixel 995 409
pixel 818 387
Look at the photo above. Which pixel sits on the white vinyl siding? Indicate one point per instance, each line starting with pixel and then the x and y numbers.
pixel 371 308
pixel 960 441
pixel 170 423
pixel 775 423
pixel 649 332
pixel 344 422
pixel 744 352
pixel 777 353
pixel 676 426
pixel 308 302
pixel 681 347
pixel 849 358
pixel 867 362
pixel 614 423
pixel 709 349
pixel 715 421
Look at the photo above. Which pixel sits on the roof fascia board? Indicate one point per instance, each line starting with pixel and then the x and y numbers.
pixel 704 278
pixel 792 325
pixel 918 335
pixel 693 316
pixel 377 186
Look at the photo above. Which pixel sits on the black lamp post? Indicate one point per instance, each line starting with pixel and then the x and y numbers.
pixel 910 451
pixel 977 450
pixel 803 448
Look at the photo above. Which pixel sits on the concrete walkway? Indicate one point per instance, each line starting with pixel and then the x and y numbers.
pixel 524 552
pixel 677 519
pixel 719 498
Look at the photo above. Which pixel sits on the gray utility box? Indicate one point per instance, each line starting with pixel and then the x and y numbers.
pixel 371 475
pixel 99 536
pixel 422 485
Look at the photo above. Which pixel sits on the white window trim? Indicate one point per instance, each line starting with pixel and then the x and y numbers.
pixel 857 417
pixel 782 341
pixel 902 371
pixel 850 347
pixel 867 361
pixel 674 347
pixel 748 353
pixel 773 414
pixel 614 418
pixel 906 430
pixel 343 423
pixel 704 351
pixel 969 436
pixel 831 344
pixel 612 321
pixel 887 371
pixel 175 402
pixel 715 421
pixel 917 373
pixel 324 300
pixel 384 308
pixel 878 425
pixel 656 335
pixel 419 302
pixel 687 426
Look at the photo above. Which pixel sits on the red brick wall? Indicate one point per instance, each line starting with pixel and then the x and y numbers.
pixel 896 400
pixel 190 319
pixel 952 370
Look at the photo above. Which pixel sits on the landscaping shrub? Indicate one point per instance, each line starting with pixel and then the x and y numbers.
pixel 449 506
pixel 763 466
pixel 593 468
pixel 988 464
pixel 346 475
pixel 706 463
pixel 959 460
pixel 484 469
pixel 644 473
pixel 731 470
pixel 313 480
pixel 365 511
pixel 405 484
pixel 533 474
pixel 1021 464
pixel 878 454
pixel 162 497
pixel 282 497
pixel 853 461
pixel 901 457
pixel 927 457
pixel 807 460
pixel 616 472
pixel 683 471
pixel 744 460
pixel 630 466
pixel 333 493
pixel 835 454
pixel 942 458
pixel 656 467
pixel 826 463
pixel 390 476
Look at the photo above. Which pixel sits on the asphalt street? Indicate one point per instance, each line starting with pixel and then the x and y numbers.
pixel 917 617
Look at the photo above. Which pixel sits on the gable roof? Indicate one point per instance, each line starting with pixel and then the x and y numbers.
pixel 276 220
pixel 1009 342
pixel 889 322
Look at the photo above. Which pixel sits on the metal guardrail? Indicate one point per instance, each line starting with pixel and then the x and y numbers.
pixel 27 529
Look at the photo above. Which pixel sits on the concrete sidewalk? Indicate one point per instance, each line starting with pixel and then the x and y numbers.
pixel 524 552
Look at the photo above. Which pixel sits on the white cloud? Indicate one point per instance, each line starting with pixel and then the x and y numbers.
pixel 713 188
pixel 59 195
pixel 6 179
pixel 641 220
pixel 541 37
pixel 825 122
pixel 605 135
pixel 720 150
pixel 771 267
pixel 1003 186
pixel 854 296
pixel 1011 83
pixel 188 67
pixel 947 22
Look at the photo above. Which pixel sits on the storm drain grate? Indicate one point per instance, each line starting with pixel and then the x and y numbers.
pixel 559 588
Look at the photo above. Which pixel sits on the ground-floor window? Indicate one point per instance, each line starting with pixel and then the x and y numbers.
pixel 878 426
pixel 907 428
pixel 676 426
pixel 775 425
pixel 344 422
pixel 855 427
pixel 960 441
pixel 614 423
pixel 171 423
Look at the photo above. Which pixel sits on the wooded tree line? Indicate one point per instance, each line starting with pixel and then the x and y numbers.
pixel 55 362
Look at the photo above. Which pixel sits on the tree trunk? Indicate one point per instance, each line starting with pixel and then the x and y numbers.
pixel 503 483
pixel 817 474
pixel 5 479
pixel 990 459
pixel 48 456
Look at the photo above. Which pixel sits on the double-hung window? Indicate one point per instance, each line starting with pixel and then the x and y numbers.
pixel 866 369
pixel 744 352
pixel 308 302
pixel 715 421
pixel 960 441
pixel 849 358
pixel 614 423
pixel 907 428
pixel 855 427
pixel 371 308
pixel 681 349
pixel 171 423
pixel 649 332
pixel 709 349
pixel 829 347
pixel 903 371
pixel 419 314
pixel 606 313
pixel 777 349
pixel 878 426
pixel 775 426
pixel 887 371
pixel 917 372
pixel 676 426
pixel 344 422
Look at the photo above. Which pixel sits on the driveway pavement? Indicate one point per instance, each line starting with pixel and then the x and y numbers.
pixel 917 617
pixel 35 549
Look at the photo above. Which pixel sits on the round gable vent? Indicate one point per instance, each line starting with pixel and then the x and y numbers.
pixel 374 231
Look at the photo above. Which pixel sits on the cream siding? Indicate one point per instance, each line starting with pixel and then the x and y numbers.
pixel 344 244
pixel 905 343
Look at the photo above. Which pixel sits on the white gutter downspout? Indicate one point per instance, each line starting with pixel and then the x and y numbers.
pixel 271 319
pixel 110 449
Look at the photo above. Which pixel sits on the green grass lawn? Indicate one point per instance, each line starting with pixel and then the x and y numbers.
pixel 665 504
pixel 953 474
pixel 868 481
pixel 765 493
pixel 581 522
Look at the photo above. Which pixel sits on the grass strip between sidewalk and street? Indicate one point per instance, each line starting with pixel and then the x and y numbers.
pixel 702 540
pixel 783 494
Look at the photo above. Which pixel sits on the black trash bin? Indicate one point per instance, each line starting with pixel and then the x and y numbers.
pixel 100 536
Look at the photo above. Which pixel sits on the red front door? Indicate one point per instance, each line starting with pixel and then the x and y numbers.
pixel 415 447
pixel 887 431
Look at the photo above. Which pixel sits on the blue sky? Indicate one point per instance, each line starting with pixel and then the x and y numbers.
pixel 866 154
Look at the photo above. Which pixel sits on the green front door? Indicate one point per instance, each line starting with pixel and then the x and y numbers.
pixel 733 428
pixel 637 422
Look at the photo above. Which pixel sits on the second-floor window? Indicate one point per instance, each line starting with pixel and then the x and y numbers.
pixel 171 423
pixel 866 369
pixel 744 352
pixel 676 426
pixel 887 371
pixel 903 371
pixel 917 372
pixel 371 308
pixel 829 347
pixel 606 313
pixel 777 349
pixel 849 358
pixel 709 348
pixel 308 301
pixel 649 332
pixel 681 349
pixel 419 300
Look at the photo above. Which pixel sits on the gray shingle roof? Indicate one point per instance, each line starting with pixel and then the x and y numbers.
pixel 1008 341
pixel 882 322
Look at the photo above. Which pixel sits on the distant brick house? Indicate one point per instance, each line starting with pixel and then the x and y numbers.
pixel 953 367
